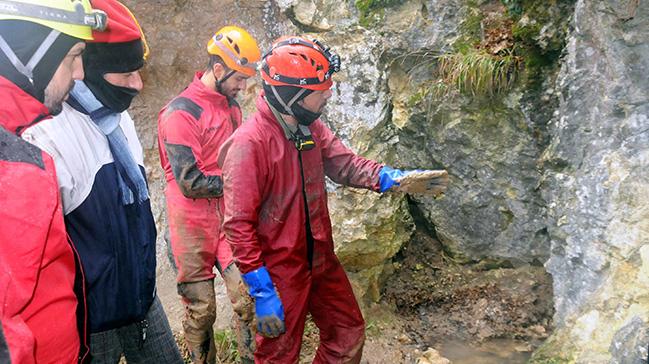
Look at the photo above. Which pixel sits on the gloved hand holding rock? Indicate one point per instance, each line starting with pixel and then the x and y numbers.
pixel 269 311
pixel 432 182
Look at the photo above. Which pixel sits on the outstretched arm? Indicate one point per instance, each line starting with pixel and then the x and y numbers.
pixel 342 165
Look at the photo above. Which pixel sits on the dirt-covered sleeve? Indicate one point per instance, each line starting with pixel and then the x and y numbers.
pixel 342 165
pixel 244 178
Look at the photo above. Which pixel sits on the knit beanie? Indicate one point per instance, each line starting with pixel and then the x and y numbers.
pixel 118 49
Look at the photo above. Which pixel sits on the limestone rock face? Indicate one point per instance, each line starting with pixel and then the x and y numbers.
pixel 368 229
pixel 492 207
pixel 597 184
pixel 319 15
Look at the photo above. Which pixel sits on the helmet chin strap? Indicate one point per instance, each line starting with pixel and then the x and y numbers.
pixel 293 108
pixel 218 82
pixel 287 106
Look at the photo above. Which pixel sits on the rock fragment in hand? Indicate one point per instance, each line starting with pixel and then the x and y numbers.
pixel 426 182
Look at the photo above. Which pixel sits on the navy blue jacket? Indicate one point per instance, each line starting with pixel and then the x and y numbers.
pixel 116 242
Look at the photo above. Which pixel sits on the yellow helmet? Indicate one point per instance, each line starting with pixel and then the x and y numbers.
pixel 75 18
pixel 237 48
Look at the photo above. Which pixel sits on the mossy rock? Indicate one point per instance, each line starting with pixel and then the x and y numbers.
pixel 556 350
pixel 373 11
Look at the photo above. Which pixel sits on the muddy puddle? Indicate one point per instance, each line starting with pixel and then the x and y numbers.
pixel 497 351
pixel 486 312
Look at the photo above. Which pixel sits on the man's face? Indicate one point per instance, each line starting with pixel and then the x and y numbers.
pixel 131 80
pixel 316 101
pixel 237 82
pixel 70 69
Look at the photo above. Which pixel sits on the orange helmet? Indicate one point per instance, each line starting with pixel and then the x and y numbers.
pixel 237 48
pixel 295 61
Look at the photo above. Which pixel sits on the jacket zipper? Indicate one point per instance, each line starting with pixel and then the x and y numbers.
pixel 307 223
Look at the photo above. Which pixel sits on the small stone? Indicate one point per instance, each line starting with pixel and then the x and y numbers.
pixel 523 348
pixel 403 339
pixel 538 329
pixel 432 356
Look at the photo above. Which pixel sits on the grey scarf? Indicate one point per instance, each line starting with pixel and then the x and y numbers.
pixel 129 176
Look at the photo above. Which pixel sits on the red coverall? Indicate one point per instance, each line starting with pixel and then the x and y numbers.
pixel 191 129
pixel 193 197
pixel 265 224
pixel 37 279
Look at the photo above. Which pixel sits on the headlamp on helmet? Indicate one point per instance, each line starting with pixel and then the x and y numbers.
pixel 75 18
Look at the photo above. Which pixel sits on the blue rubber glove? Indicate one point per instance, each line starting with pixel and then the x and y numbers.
pixel 268 307
pixel 388 177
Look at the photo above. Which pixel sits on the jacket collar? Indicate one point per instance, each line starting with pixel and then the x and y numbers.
pixel 266 113
pixel 264 108
pixel 19 109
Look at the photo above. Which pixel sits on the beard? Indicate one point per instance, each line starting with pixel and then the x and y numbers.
pixel 230 92
pixel 55 97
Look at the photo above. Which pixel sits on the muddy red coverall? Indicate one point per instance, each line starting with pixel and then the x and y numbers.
pixel 193 126
pixel 37 278
pixel 191 129
pixel 265 223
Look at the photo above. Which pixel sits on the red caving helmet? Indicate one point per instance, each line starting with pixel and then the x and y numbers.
pixel 298 62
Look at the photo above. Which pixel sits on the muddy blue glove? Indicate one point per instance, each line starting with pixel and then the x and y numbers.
pixel 388 177
pixel 268 307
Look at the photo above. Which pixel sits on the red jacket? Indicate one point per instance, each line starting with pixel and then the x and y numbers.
pixel 39 318
pixel 264 219
pixel 191 129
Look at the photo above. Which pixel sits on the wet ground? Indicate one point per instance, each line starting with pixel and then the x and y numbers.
pixel 478 313
pixel 487 312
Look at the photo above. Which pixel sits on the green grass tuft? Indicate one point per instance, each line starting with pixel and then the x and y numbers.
pixel 476 72
pixel 226 347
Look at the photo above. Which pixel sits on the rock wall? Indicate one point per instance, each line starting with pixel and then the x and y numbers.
pixel 493 208
pixel 596 186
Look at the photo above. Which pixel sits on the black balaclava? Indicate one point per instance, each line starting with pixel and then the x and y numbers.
pixel 287 93
pixel 24 38
pixel 102 58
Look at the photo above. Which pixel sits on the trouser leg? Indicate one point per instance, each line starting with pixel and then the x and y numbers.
pixel 200 313
pixel 105 347
pixel 151 340
pixel 286 347
pixel 244 310
pixel 336 313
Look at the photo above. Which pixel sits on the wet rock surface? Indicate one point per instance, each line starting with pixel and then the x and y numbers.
pixel 596 185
